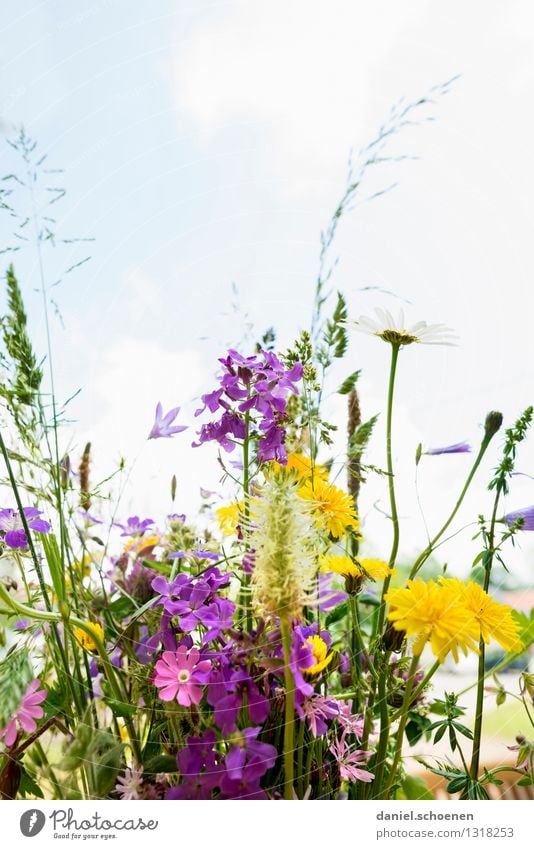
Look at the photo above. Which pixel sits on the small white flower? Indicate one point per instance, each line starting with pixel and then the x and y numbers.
pixel 394 330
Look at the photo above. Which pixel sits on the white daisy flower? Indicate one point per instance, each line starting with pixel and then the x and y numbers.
pixel 394 330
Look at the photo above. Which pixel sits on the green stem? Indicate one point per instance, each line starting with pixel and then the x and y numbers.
pixel 300 759
pixel 72 621
pixel 391 485
pixel 406 702
pixel 479 710
pixel 423 557
pixel 289 720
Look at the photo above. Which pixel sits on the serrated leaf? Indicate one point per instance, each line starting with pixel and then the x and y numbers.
pixel 28 786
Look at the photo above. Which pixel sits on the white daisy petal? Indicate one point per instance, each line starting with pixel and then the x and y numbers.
pixel 394 330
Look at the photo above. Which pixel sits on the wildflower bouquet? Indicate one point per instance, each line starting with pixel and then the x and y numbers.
pixel 265 649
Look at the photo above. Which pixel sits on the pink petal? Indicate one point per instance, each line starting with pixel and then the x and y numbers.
pixel 10 733
pixel 168 693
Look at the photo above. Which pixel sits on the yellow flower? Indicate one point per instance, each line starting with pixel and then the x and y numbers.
pixel 138 545
pixel 495 620
pixel 319 651
pixel 435 613
pixel 332 508
pixel 302 466
pixel 85 639
pixel 368 567
pixel 229 517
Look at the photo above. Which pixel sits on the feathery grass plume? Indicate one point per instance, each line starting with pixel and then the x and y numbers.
pixel 283 539
pixel 353 464
pixel 85 494
pixel 27 376
pixel 15 675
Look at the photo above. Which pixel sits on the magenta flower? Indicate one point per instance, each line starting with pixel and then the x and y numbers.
pixel 350 762
pixel 30 709
pixel 179 675
pixel 11 524
pixel 456 448
pixel 163 426
pixel 525 513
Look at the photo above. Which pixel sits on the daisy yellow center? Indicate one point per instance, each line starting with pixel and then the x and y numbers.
pixel 396 337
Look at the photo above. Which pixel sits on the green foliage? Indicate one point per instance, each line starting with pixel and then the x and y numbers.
pixel 413 787
pixel 360 438
pixel 27 376
pixel 349 383
pixel 55 564
pixel 15 674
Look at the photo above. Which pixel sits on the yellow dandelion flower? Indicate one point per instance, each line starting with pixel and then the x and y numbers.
pixel 495 619
pixel 302 466
pixel 229 517
pixel 356 572
pixel 320 655
pixel 332 508
pixel 85 639
pixel 434 613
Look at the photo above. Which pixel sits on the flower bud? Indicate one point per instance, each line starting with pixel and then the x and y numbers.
pixel 493 423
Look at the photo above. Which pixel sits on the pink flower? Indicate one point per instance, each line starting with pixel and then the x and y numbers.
pixel 179 674
pixel 27 713
pixel 129 785
pixel 350 763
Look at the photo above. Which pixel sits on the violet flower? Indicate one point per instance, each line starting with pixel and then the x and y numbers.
pixel 179 675
pixel 456 448
pixel 238 686
pixel 525 513
pixel 134 526
pixel 163 426
pixel 11 524
pixel 28 711
pixel 246 762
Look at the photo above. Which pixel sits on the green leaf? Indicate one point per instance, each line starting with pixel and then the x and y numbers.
pixel 413 787
pixel 349 383
pixel 55 564
pixel 457 784
pixel 440 732
pixel 160 763
pixel 120 708
pixel 337 613
pixel 28 785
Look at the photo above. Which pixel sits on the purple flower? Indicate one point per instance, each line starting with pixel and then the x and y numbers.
pixel 238 686
pixel 163 426
pixel 254 387
pixel 134 526
pixel 200 554
pixel 179 675
pixel 457 448
pixel 28 711
pixel 246 762
pixel 525 513
pixel 200 768
pixel 11 524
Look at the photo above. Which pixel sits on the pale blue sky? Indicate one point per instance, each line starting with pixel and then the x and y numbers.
pixel 206 142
